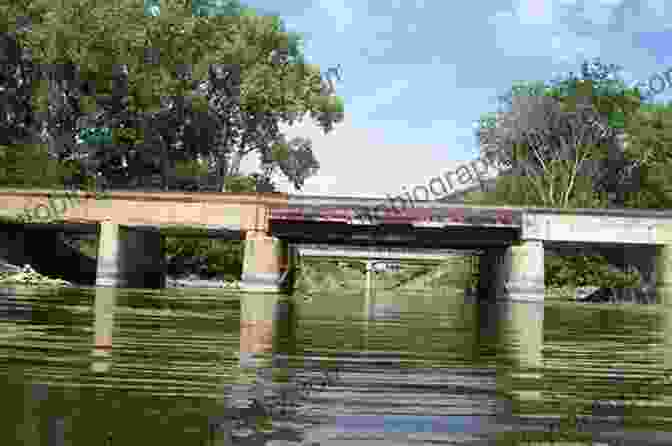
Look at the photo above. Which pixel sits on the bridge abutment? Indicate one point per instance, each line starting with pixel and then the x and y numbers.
pixel 129 258
pixel 663 274
pixel 514 273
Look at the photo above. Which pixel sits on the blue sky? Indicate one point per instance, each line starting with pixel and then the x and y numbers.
pixel 417 74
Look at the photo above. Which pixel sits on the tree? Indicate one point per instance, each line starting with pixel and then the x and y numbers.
pixel 599 82
pixel 30 166
pixel 295 159
pixel 558 135
pixel 162 76
pixel 18 121
pixel 567 150
pixel 650 145
pixel 549 148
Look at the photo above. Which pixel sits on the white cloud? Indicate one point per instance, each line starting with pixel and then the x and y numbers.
pixel 340 13
pixel 518 33
pixel 599 13
pixel 360 162
pixel 366 105
pixel 535 12
pixel 658 6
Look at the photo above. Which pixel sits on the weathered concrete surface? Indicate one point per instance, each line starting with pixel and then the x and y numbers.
pixel 209 210
pixel 130 258
pixel 515 273
pixel 267 263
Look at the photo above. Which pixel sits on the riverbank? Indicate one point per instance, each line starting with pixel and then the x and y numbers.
pixel 13 275
pixel 26 275
pixel 196 282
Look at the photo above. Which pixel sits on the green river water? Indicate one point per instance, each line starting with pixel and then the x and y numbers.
pixel 87 366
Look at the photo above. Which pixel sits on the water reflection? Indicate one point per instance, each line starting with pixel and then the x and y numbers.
pixel 180 367
pixel 103 327
pixel 12 307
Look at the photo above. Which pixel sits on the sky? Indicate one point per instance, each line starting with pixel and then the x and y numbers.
pixel 418 74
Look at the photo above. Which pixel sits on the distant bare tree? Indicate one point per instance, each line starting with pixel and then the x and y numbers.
pixel 554 148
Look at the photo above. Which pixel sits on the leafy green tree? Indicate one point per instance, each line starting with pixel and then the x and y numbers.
pixel 241 183
pixel 551 150
pixel 597 82
pixel 558 134
pixel 565 143
pixel 579 271
pixel 650 144
pixel 30 166
pixel 162 75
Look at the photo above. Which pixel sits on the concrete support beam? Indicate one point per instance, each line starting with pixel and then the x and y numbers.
pixel 129 258
pixel 663 272
pixel 514 273
pixel 664 299
pixel 267 263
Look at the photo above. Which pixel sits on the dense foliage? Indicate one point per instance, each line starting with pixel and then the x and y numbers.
pixel 204 257
pixel 18 168
pixel 564 139
pixel 578 142
pixel 174 88
pixel 650 143
pixel 585 271
pixel 187 92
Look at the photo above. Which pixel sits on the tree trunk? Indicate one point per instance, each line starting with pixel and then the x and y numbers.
pixel 221 172
pixel 235 163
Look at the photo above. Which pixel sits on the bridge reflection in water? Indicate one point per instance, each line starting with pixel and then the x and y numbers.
pixel 379 391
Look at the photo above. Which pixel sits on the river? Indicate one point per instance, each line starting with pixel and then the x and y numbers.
pixel 101 366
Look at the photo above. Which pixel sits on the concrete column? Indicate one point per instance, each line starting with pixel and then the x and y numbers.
pixel 515 273
pixel 130 258
pixel 368 296
pixel 266 265
pixel 663 272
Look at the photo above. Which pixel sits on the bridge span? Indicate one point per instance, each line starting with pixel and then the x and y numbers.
pixel 131 226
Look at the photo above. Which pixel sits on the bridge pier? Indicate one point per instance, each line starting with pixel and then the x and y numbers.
pixel 267 264
pixel 514 273
pixel 129 258
pixel 663 273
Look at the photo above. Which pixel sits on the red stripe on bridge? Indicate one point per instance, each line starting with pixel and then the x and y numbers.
pixel 364 215
pixel 504 216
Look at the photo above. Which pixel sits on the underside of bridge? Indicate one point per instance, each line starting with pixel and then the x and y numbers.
pixel 395 235
pixel 511 268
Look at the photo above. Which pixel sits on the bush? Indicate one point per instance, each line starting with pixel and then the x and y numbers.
pixel 30 166
pixel 577 271
pixel 222 258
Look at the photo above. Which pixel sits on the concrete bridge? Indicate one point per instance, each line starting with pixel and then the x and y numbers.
pixel 131 227
pixel 512 241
